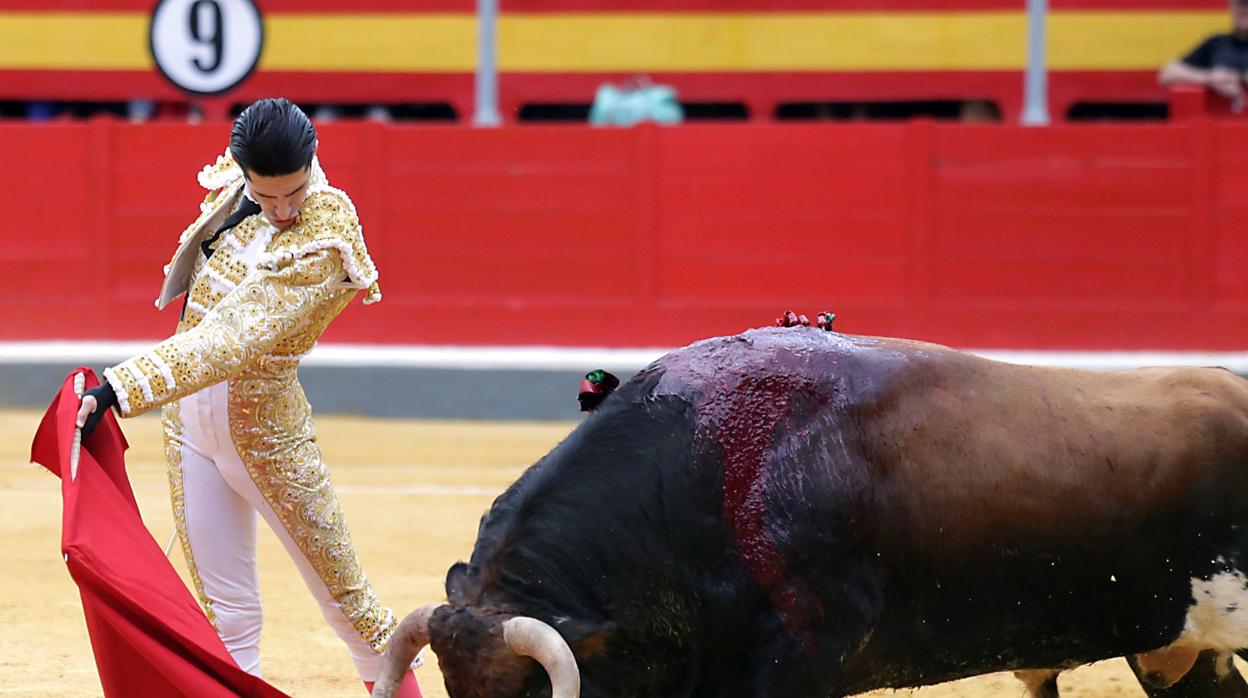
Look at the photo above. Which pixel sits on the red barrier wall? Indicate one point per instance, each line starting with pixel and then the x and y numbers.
pixel 1089 237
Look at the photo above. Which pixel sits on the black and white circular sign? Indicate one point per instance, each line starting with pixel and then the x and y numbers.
pixel 206 46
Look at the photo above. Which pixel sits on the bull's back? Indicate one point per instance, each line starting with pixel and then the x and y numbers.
pixel 976 444
pixel 948 415
pixel 937 432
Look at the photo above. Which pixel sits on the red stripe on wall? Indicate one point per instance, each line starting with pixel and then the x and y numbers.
pixel 87 85
pixel 760 92
pixel 76 5
pixel 108 85
pixel 764 92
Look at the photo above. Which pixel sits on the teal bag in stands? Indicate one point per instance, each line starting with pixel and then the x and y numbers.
pixel 626 106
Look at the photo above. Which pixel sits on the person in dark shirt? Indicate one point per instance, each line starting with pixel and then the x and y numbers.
pixel 1220 62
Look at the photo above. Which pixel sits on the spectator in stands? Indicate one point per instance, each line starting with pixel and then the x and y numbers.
pixel 1220 62
pixel 979 111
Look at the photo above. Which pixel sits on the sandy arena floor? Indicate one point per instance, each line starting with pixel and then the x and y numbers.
pixel 412 492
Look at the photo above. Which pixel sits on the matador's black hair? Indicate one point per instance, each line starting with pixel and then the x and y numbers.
pixel 273 137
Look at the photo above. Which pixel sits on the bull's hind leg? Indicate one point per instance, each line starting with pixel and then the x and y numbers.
pixel 1041 683
pixel 1164 667
pixel 1212 676
pixel 1199 660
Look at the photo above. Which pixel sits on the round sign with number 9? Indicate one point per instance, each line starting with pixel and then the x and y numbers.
pixel 206 46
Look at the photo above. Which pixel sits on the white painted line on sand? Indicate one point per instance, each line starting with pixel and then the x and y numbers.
pixel 373 490
pixel 441 490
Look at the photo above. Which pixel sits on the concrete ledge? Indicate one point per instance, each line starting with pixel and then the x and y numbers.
pixel 468 382
pixel 373 391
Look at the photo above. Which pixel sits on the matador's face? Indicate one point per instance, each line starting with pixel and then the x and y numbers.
pixel 280 197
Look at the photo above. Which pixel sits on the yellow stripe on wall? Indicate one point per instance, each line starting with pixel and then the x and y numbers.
pixel 74 41
pixel 845 41
pixel 370 43
pixel 1127 41
pixel 763 42
pixel 625 42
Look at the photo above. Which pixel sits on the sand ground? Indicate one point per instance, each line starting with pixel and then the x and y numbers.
pixel 412 492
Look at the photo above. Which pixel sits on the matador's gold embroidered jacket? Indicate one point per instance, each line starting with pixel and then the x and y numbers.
pixel 253 309
pixel 260 302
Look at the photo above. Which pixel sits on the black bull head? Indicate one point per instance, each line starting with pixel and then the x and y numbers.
pixel 492 648
pixel 794 512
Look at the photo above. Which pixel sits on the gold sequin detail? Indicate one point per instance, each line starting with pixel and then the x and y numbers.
pixel 221 173
pixel 171 421
pixel 224 267
pixel 291 306
pixel 271 424
pixel 328 219
pixel 308 274
pixel 154 376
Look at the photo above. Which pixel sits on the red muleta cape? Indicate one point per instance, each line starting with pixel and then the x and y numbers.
pixel 149 635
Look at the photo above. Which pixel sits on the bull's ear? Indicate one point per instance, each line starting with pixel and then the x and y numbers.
pixel 586 638
pixel 457 583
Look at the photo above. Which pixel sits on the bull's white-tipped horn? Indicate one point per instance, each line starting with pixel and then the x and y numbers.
pixel 408 639
pixel 533 638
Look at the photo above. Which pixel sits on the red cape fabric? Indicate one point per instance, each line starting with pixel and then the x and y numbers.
pixel 149 635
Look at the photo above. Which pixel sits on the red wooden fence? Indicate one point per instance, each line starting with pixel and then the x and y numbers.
pixel 1082 237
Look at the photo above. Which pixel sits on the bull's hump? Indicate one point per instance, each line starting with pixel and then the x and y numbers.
pixel 803 354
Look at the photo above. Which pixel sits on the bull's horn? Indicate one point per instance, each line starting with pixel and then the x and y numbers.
pixel 407 641
pixel 533 638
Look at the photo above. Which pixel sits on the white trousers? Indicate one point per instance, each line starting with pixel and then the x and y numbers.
pixel 220 506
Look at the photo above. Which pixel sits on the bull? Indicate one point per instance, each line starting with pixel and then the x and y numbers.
pixel 798 512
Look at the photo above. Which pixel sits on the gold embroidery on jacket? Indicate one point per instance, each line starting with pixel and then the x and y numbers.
pixel 236 320
pixel 271 424
pixel 221 273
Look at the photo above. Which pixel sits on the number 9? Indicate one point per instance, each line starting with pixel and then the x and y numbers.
pixel 206 14
pixel 190 47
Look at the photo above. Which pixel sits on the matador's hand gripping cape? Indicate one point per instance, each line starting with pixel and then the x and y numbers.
pixel 149 636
